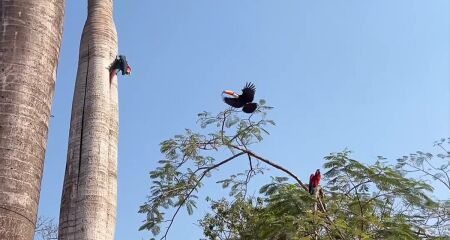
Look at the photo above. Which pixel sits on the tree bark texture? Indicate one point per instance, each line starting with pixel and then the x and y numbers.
pixel 30 40
pixel 89 197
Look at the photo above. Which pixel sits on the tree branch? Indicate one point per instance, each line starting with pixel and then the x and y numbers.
pixel 250 153
pixel 195 187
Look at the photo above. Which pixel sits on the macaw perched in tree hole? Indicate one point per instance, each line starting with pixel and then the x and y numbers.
pixel 119 64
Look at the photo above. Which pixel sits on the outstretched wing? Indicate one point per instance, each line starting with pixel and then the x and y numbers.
pixel 248 92
pixel 234 102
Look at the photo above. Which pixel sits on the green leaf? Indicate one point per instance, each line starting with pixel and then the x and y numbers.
pixel 271 122
pixel 189 209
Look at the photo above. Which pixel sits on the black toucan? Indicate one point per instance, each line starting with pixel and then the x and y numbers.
pixel 244 101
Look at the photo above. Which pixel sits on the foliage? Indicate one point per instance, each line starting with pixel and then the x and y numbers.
pixel 190 157
pixel 362 202
pixel 359 201
pixel 433 168
pixel 375 202
pixel 270 216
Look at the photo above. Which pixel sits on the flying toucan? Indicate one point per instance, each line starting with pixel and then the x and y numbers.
pixel 244 101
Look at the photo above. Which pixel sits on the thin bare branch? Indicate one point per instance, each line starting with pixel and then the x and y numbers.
pixel 195 187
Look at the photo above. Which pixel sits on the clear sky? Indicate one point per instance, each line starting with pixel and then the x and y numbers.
pixel 369 75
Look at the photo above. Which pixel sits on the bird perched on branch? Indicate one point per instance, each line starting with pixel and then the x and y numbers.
pixel 314 181
pixel 244 101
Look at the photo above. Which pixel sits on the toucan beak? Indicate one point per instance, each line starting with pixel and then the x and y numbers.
pixel 231 93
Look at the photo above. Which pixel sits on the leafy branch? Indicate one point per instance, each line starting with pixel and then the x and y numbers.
pixel 191 157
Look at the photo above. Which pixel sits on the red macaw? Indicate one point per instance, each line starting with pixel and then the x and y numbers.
pixel 317 177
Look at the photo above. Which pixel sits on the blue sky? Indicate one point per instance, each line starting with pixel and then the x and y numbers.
pixel 372 76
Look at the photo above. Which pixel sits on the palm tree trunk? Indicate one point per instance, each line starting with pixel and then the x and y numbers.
pixel 30 40
pixel 88 204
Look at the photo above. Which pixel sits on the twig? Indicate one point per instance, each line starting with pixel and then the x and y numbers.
pixel 195 187
pixel 250 153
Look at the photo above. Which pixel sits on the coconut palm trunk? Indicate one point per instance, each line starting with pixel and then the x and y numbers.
pixel 30 40
pixel 88 204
